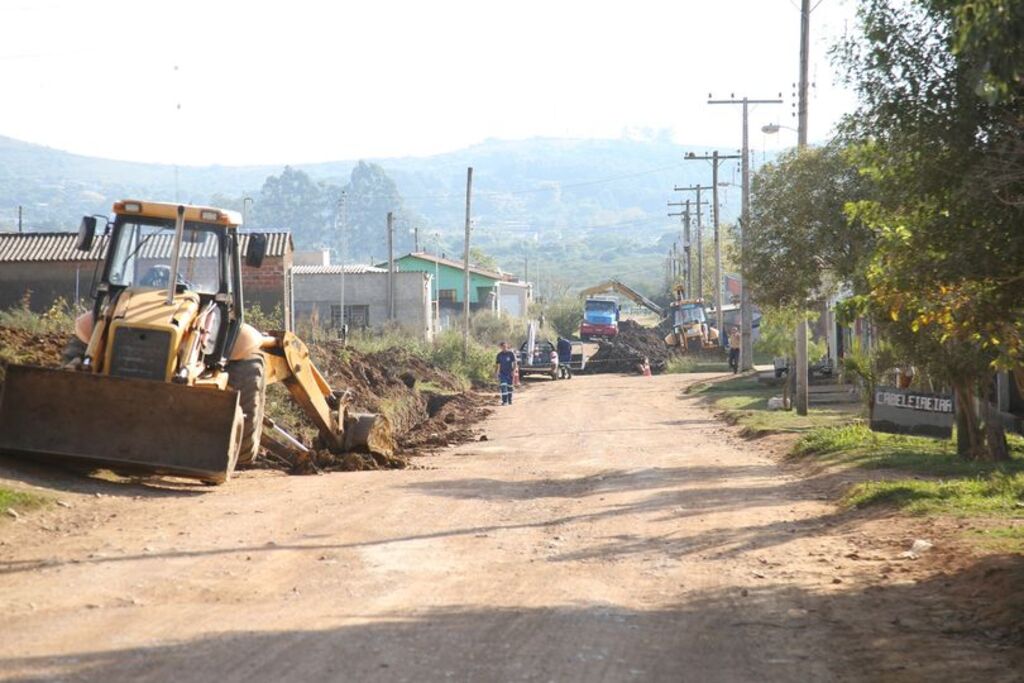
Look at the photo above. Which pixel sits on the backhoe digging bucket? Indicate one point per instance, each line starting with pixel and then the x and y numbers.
pixel 369 433
pixel 122 424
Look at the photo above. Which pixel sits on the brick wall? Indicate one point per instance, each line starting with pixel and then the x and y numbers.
pixel 268 284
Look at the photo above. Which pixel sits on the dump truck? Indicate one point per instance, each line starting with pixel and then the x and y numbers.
pixel 601 313
pixel 600 318
pixel 164 375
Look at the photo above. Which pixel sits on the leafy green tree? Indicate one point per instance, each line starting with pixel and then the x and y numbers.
pixel 801 239
pixel 941 94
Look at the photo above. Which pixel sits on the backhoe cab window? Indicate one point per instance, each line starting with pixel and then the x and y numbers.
pixel 690 314
pixel 143 254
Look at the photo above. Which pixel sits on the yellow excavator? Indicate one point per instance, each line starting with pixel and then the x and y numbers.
pixel 163 375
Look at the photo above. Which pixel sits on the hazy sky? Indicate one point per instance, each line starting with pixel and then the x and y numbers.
pixel 300 81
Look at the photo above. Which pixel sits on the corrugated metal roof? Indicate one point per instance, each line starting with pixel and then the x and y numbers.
pixel 47 246
pixel 24 247
pixel 351 269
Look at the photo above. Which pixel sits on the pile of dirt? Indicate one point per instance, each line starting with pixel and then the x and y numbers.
pixel 426 406
pixel 451 421
pixel 27 348
pixel 626 351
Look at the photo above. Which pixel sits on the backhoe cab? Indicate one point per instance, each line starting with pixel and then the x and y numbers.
pixel 163 374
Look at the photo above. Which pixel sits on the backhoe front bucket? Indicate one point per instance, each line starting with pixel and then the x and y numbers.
pixel 122 424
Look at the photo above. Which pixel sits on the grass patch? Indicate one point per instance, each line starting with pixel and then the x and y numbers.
pixel 1004 540
pixel 944 483
pixel 20 501
pixel 744 400
pixel 428 387
pixel 997 493
pixel 684 364
pixel 857 445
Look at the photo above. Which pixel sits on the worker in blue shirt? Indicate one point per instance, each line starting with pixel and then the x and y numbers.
pixel 504 369
pixel 564 357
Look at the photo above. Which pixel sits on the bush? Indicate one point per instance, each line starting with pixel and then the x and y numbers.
pixel 563 316
pixel 264 321
pixel 478 368
pixel 58 319
pixel 490 329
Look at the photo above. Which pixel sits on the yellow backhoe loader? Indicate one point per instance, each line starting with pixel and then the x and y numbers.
pixel 163 375
pixel 691 330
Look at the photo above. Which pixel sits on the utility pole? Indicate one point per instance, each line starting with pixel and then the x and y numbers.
pixel 391 266
pixel 416 239
pixel 526 267
pixel 465 266
pixel 747 315
pixel 801 398
pixel 700 233
pixel 343 220
pixel 716 159
pixel 684 243
pixel 19 218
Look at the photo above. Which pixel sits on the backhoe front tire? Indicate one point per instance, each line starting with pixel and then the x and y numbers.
pixel 249 378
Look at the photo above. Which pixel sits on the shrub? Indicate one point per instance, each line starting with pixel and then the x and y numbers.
pixel 563 315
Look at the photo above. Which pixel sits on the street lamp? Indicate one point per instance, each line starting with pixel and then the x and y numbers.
pixel 773 128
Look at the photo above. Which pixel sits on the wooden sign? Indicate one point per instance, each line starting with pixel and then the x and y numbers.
pixel 902 411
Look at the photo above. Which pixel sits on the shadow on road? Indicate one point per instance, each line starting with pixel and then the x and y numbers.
pixel 771 632
pixel 62 476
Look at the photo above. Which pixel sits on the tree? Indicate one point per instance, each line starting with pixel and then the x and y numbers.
pixel 313 212
pixel 801 238
pixel 941 93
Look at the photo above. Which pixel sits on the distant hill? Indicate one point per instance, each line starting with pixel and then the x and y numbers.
pixel 598 199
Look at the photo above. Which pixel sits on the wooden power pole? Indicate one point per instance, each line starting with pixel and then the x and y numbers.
pixel 465 266
pixel 746 313
pixel 391 267
pixel 801 398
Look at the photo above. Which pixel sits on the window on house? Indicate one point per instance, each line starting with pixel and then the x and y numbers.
pixel 446 295
pixel 356 317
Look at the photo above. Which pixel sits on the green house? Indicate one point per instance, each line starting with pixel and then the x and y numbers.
pixel 488 290
pixel 449 278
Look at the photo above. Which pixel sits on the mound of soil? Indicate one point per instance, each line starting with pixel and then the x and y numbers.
pixel 19 346
pixel 426 405
pixel 450 422
pixel 625 351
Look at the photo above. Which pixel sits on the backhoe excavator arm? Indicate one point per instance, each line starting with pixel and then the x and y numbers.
pixel 625 290
pixel 287 360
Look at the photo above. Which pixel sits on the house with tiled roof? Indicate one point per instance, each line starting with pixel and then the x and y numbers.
pixel 41 267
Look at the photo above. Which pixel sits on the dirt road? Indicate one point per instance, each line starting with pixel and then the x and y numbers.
pixel 609 529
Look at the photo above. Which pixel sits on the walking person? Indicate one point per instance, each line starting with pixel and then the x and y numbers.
pixel 505 366
pixel 734 349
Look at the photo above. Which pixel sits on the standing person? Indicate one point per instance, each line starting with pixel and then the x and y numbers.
pixel 505 365
pixel 734 349
pixel 564 358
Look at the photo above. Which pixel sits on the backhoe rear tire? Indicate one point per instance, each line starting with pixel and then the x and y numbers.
pixel 249 378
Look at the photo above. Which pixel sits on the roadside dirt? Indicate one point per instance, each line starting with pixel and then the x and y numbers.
pixel 609 528
pixel 426 405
